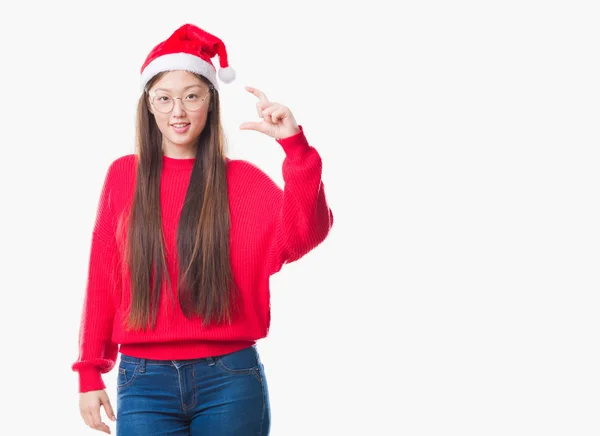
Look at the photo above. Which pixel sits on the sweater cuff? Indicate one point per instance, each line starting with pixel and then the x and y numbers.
pixel 294 145
pixel 90 379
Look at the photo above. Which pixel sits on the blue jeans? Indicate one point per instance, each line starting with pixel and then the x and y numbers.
pixel 214 396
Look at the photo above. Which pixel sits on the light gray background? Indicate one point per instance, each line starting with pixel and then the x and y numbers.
pixel 458 291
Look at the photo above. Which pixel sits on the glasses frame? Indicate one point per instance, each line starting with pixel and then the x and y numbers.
pixel 152 97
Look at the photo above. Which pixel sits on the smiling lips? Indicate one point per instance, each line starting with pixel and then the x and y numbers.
pixel 180 127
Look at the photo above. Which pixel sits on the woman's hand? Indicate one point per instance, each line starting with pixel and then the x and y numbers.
pixel 89 407
pixel 277 120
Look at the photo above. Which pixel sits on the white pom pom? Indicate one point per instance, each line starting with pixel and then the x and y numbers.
pixel 227 75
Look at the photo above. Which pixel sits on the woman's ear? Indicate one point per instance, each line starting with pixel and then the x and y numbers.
pixel 148 102
pixel 150 107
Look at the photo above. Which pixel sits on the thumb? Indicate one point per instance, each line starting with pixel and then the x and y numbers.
pixel 251 125
pixel 108 408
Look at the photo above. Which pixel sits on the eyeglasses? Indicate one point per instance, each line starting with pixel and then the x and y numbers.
pixel 164 103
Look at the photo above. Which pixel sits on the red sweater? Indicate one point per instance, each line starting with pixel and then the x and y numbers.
pixel 269 227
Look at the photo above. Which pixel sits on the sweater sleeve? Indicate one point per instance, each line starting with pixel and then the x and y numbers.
pixel 97 353
pixel 304 219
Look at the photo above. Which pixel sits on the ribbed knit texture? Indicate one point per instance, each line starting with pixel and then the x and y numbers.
pixel 269 227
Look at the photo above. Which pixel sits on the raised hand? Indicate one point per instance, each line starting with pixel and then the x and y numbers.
pixel 277 120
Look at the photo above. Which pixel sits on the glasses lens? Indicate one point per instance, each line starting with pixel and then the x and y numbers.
pixel 192 104
pixel 194 101
pixel 162 103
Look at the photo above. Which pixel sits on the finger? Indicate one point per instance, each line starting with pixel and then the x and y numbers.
pixel 261 106
pixel 266 113
pixel 257 93
pixel 96 420
pixel 97 424
pixel 103 427
pixel 279 114
pixel 108 409
pixel 259 110
pixel 87 418
pixel 265 104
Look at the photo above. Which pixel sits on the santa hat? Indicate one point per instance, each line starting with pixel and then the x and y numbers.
pixel 188 48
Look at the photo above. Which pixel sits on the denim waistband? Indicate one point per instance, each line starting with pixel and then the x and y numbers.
pixel 143 362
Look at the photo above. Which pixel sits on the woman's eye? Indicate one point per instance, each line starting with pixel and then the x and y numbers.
pixel 192 97
pixel 163 98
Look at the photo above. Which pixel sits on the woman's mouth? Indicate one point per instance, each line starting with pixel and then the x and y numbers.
pixel 180 127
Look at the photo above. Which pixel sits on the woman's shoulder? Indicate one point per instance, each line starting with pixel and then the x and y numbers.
pixel 124 162
pixel 121 171
pixel 122 165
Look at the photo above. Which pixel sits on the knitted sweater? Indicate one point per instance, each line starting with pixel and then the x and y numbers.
pixel 270 227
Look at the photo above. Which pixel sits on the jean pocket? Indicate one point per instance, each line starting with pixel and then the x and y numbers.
pixel 241 362
pixel 127 373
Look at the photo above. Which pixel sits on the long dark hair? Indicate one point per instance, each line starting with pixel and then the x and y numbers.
pixel 206 285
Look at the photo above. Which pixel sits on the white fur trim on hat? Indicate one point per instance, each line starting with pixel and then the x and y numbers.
pixel 179 61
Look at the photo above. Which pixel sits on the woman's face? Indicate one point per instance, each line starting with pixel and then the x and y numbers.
pixel 179 102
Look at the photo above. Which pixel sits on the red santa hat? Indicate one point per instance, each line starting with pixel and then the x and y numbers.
pixel 188 48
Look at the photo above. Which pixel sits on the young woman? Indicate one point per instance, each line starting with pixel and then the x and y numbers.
pixel 183 246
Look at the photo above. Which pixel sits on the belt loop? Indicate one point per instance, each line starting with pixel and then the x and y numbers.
pixel 142 366
pixel 211 361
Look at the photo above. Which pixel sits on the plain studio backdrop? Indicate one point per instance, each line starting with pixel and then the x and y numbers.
pixel 457 293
